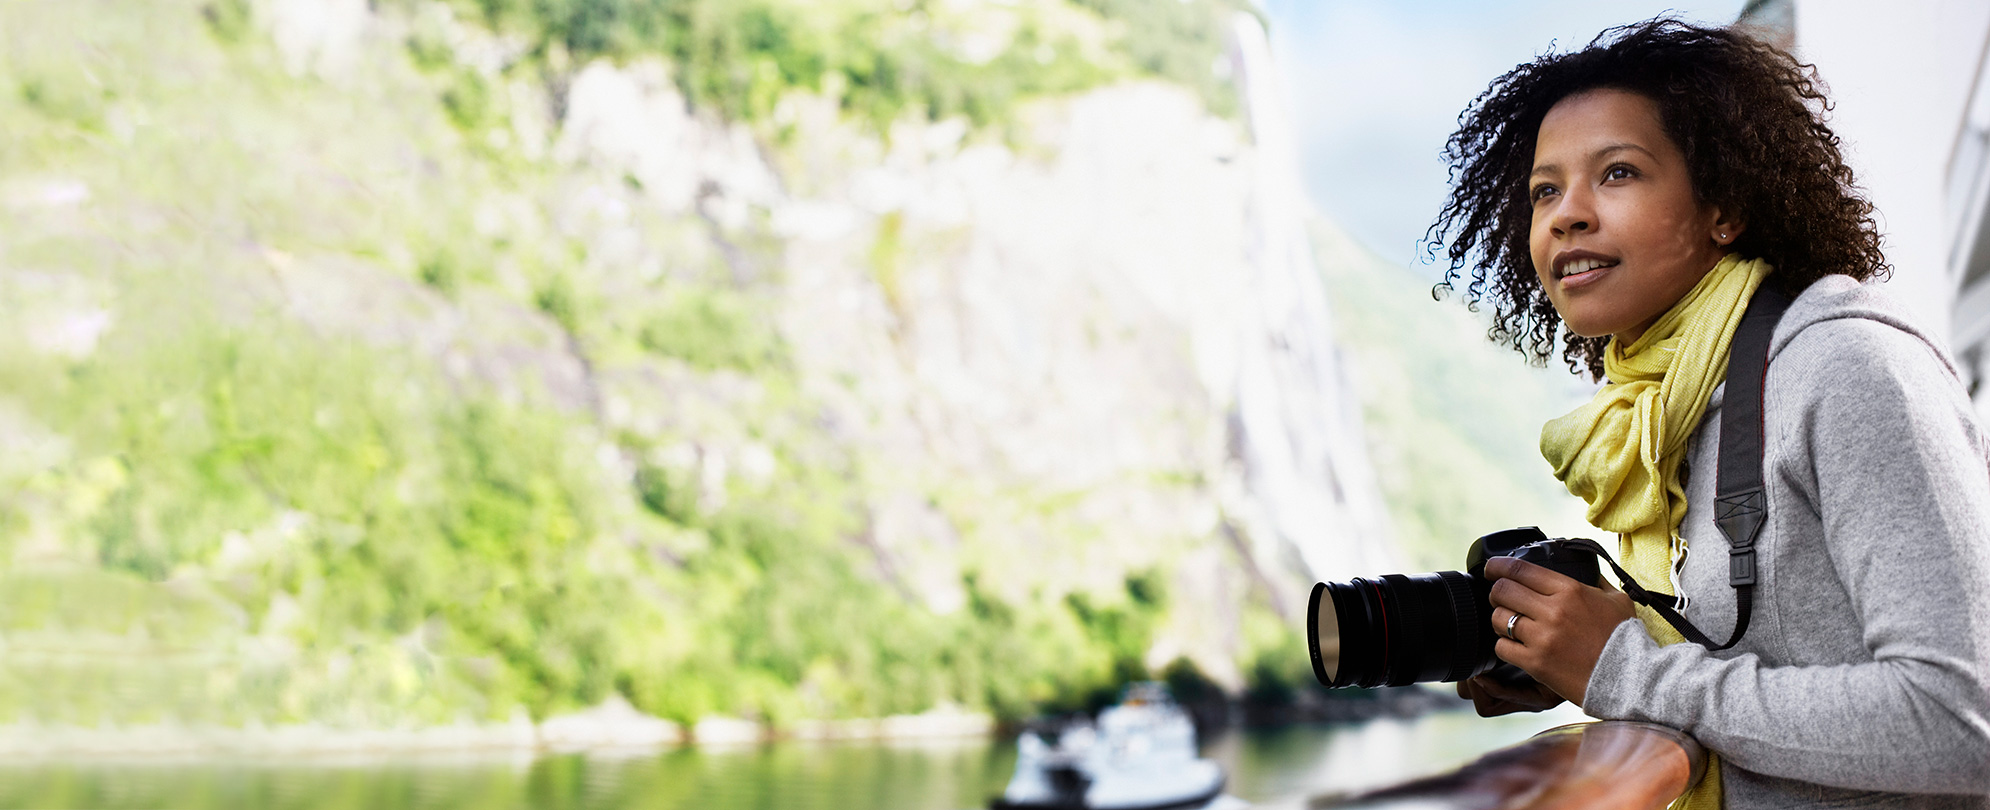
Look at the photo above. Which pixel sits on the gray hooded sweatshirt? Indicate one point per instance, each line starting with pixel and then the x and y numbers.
pixel 1864 678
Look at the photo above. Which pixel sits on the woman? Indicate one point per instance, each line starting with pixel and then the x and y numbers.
pixel 1628 199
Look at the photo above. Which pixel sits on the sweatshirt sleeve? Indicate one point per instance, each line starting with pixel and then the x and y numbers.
pixel 1887 455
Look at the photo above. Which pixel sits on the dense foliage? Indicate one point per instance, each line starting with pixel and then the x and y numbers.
pixel 883 58
pixel 261 493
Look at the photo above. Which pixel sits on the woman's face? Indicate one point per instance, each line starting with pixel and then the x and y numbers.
pixel 1617 236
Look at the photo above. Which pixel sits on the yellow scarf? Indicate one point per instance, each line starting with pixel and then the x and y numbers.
pixel 1620 452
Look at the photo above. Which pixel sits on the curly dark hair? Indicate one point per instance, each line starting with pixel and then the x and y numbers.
pixel 1748 117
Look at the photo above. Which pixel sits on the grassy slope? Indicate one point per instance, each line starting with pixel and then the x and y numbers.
pixel 231 515
pixel 340 510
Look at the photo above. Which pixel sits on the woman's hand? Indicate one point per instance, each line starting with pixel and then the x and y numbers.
pixel 1493 697
pixel 1563 623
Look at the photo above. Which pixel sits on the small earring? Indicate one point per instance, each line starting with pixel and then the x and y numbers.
pixel 1723 236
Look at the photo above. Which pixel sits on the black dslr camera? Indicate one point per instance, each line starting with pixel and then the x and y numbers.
pixel 1400 629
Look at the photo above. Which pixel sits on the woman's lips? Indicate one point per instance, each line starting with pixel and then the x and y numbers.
pixel 1588 275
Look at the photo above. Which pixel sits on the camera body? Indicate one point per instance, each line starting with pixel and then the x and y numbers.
pixel 1530 544
pixel 1400 629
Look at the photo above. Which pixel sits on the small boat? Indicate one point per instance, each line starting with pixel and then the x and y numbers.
pixel 1139 755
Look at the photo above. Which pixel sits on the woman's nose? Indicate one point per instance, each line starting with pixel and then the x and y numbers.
pixel 1575 213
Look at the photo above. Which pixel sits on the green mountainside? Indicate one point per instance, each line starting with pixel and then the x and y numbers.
pixel 740 56
pixel 251 479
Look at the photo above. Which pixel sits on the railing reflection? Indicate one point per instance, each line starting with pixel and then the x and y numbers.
pixel 1609 765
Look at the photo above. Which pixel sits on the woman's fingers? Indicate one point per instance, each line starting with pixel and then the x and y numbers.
pixel 1505 626
pixel 1516 596
pixel 1492 698
pixel 1517 654
pixel 1536 578
pixel 1499 691
pixel 1483 701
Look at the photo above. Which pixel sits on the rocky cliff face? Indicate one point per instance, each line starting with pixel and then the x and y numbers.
pixel 1056 358
pixel 1116 310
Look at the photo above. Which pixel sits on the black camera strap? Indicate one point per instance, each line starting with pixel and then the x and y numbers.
pixel 1740 503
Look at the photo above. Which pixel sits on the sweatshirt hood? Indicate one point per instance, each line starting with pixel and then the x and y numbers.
pixel 1837 296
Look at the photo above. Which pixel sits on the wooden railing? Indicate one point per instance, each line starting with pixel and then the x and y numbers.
pixel 1609 765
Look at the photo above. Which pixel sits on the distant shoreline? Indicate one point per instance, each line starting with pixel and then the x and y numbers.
pixel 612 726
pixel 616 727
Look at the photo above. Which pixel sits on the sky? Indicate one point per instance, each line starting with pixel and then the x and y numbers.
pixel 1377 85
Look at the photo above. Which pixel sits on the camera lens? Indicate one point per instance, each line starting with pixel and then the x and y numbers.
pixel 1399 629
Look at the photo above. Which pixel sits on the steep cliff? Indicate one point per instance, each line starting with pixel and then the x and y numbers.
pixel 381 367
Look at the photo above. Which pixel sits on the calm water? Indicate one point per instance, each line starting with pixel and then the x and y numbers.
pixel 1265 765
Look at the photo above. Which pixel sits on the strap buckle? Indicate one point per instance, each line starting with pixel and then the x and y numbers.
pixel 1740 566
pixel 1740 517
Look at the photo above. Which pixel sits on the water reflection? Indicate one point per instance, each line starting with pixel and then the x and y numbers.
pixel 1279 764
pixel 787 775
pixel 1263 764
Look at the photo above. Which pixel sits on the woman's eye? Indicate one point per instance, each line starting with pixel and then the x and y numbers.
pixel 1619 172
pixel 1540 192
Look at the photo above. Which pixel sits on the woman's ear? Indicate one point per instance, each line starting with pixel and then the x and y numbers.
pixel 1727 227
